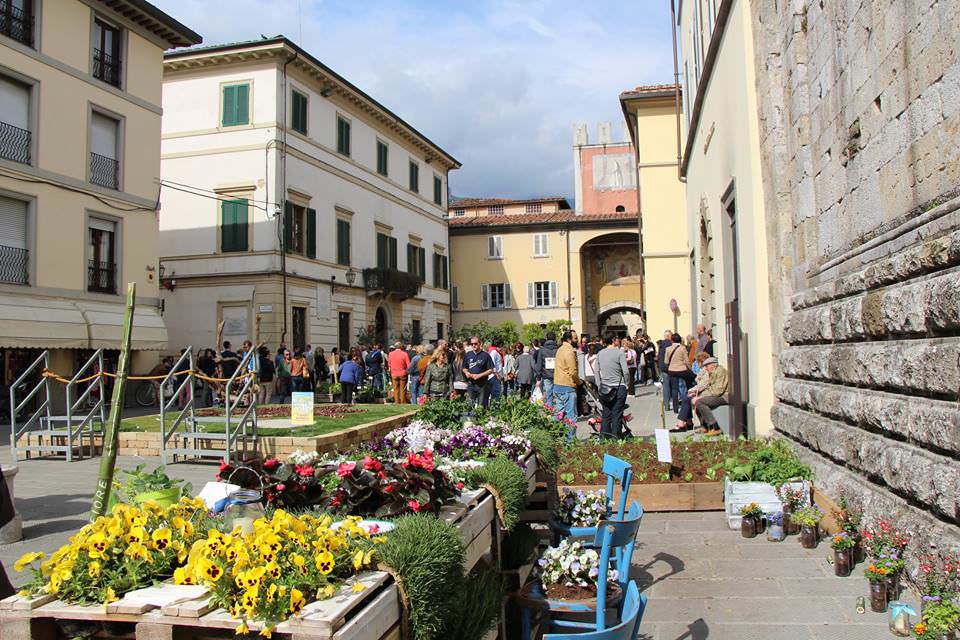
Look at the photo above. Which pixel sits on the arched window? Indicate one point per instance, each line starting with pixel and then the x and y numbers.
pixel 620 208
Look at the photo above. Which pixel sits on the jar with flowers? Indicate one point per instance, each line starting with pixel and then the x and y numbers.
pixel 751 520
pixel 848 518
pixel 792 499
pixel 877 577
pixel 842 544
pixel 937 579
pixel 885 544
pixel 809 520
pixel 775 531
pixel 940 621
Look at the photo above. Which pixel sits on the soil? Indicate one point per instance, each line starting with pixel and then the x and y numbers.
pixel 693 458
pixel 564 592
pixel 283 411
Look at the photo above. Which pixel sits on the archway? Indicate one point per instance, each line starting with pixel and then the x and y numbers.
pixel 612 282
pixel 382 326
pixel 623 317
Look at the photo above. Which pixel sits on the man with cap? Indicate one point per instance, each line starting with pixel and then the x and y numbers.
pixel 714 395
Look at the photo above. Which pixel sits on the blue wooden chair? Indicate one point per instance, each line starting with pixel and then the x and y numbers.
pixel 618 472
pixel 634 604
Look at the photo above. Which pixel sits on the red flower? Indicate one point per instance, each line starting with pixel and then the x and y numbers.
pixel 389 488
pixel 305 471
pixel 223 466
pixel 381 475
pixel 345 469
pixel 460 485
pixel 271 463
pixel 370 464
pixel 335 501
pixel 413 504
pixel 281 487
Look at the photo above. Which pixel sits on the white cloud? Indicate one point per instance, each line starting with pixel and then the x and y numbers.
pixel 497 84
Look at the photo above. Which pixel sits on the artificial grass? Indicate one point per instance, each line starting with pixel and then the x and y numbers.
pixel 509 482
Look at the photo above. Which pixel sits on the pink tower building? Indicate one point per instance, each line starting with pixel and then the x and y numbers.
pixel 605 172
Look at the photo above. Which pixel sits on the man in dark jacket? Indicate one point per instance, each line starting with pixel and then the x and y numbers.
pixel 546 363
pixel 662 346
pixel 374 366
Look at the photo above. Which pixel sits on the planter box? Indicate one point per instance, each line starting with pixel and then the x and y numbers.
pixel 740 494
pixel 668 496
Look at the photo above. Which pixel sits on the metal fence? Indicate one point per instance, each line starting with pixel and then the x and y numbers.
pixel 15 143
pixel 14 265
pixel 104 171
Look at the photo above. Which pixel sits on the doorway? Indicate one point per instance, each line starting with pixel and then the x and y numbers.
pixel 343 331
pixel 299 327
pixel 734 333
pixel 381 327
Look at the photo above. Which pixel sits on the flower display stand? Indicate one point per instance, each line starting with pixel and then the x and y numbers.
pixel 740 494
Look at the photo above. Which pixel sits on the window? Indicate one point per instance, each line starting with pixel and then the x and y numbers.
pixel 343 136
pixel 541 245
pixel 236 105
pixel 298 119
pixel 106 52
pixel 459 213
pixel 343 333
pixel 14 254
pixel 386 251
pixel 542 294
pixel 437 191
pixel 15 135
pixel 495 296
pixel 101 265
pixel 495 247
pixel 416 332
pixel 299 318
pixel 300 230
pixel 440 271
pixel 414 177
pixel 233 225
pixel 439 331
pixel 454 297
pixel 534 207
pixel 381 157
pixel 417 261
pixel 343 241
pixel 495 210
pixel 16 20
pixel 620 208
pixel 104 151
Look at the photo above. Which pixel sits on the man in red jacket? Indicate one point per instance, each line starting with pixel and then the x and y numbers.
pixel 399 362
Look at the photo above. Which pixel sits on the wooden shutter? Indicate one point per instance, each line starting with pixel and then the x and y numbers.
pixel 491 247
pixel 392 242
pixel 411 259
pixel 288 226
pixel 436 269
pixel 531 294
pixel 229 116
pixel 446 273
pixel 507 302
pixel 455 297
pixel 233 225
pixel 484 296
pixel 553 294
pixel 383 252
pixel 343 242
pixel 311 231
pixel 422 263
pixel 545 245
pixel 242 104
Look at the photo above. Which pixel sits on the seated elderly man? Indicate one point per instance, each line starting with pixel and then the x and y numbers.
pixel 713 395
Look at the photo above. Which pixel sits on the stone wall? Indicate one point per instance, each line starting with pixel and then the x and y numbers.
pixel 859 105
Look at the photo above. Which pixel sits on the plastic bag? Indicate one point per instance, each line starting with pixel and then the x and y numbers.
pixel 537 395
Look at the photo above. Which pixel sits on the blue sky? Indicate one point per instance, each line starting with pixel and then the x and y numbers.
pixel 497 84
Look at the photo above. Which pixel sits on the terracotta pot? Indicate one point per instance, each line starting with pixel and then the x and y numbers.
pixel 790 528
pixel 878 596
pixel 809 537
pixel 749 526
pixel 842 562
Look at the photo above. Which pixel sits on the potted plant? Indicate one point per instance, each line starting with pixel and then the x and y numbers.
pixel 877 577
pixel 571 571
pixel 938 579
pixel 808 518
pixel 750 523
pixel 885 544
pixel 775 532
pixel 849 518
pixel 581 509
pixel 940 621
pixel 156 486
pixel 793 499
pixel 842 544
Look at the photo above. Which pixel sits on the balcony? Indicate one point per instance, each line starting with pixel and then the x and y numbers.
pixel 16 23
pixel 104 171
pixel 14 143
pixel 106 67
pixel 101 277
pixel 393 282
pixel 14 265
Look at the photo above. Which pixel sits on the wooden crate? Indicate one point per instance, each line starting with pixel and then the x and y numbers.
pixel 675 496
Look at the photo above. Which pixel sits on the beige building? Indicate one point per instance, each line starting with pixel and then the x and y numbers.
pixel 651 115
pixel 476 207
pixel 295 207
pixel 80 86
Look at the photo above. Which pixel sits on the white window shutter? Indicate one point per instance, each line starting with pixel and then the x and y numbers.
pixel 531 295
pixel 553 294
pixel 536 244
pixel 484 296
pixel 13 223
pixel 491 247
pixel 499 251
pixel 544 245
pixel 507 302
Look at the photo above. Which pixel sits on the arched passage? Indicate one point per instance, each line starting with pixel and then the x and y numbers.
pixel 382 326
pixel 612 282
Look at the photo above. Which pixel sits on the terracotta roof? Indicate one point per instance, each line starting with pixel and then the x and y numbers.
pixel 464 203
pixel 560 217
pixel 649 90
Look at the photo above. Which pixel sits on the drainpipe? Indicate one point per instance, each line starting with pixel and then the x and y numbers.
pixel 283 199
pixel 569 292
pixel 676 86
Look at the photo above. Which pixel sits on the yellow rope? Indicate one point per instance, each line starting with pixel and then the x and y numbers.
pixel 55 376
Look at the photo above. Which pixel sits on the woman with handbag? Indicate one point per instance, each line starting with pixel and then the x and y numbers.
pixel 678 367
pixel 437 378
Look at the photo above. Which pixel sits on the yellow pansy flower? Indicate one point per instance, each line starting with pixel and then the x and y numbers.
pixel 109 596
pixel 93 569
pixel 183 575
pixel 357 587
pixel 297 600
pixel 96 546
pixel 161 539
pixel 324 562
pixel 358 559
pixel 326 592
pixel 28 558
pixel 267 632
pixel 242 629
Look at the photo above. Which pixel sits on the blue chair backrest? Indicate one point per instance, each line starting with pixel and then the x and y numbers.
pixel 618 472
pixel 634 604
pixel 615 538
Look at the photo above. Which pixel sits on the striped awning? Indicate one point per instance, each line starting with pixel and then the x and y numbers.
pixel 62 323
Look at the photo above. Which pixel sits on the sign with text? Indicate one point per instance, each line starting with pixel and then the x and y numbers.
pixel 301 408
pixel 664 454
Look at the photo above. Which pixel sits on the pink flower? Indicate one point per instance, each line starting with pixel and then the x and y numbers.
pixel 413 504
pixel 305 471
pixel 345 469
pixel 459 485
pixel 389 488
pixel 281 487
pixel 223 466
pixel 271 463
pixel 371 464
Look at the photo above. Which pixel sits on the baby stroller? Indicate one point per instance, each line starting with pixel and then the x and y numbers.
pixel 596 416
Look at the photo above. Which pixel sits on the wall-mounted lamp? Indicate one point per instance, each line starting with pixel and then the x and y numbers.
pixel 351 276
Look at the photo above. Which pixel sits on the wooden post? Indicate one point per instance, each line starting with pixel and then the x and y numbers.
pixel 108 462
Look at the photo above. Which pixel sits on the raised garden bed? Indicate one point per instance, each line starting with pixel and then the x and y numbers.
pixel 283 411
pixel 688 496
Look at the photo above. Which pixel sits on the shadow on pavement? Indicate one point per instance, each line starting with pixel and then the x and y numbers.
pixel 697 630
pixel 40 529
pixel 645 579
pixel 53 506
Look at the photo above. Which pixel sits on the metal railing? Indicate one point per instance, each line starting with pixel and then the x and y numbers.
pixel 14 265
pixel 233 400
pixel 15 143
pixel 90 399
pixel 16 23
pixel 185 416
pixel 101 277
pixel 391 282
pixel 104 171
pixel 106 67
pixel 41 388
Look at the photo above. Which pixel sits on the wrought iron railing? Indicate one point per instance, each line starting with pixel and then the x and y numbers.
pixel 106 67
pixel 101 277
pixel 14 143
pixel 14 265
pixel 16 23
pixel 391 282
pixel 104 171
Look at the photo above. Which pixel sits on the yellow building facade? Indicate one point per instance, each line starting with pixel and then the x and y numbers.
pixel 651 114
pixel 80 93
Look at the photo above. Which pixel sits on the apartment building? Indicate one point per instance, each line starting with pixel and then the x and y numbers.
pixel 476 207
pixel 296 207
pixel 80 86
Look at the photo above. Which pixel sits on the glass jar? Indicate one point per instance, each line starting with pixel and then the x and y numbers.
pixel 809 536
pixel 789 526
pixel 893 586
pixel 901 624
pixel 775 533
pixel 749 526
pixel 878 596
pixel 842 562
pixel 243 507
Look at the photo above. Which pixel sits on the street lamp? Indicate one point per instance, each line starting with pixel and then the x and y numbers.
pixel 351 276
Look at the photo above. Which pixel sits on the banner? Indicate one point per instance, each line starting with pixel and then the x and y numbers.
pixel 301 408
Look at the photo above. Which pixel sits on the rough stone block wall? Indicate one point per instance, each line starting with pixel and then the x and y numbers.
pixel 859 105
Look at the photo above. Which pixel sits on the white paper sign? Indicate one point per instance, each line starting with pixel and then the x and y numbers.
pixel 664 454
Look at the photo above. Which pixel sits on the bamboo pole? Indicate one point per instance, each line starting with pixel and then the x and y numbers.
pixel 108 462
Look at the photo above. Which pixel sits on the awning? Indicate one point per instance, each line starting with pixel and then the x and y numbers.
pixel 61 323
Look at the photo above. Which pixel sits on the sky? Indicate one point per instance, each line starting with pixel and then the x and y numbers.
pixel 498 84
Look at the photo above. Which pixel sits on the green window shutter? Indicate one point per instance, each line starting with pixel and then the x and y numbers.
pixel 299 120
pixel 437 190
pixel 422 264
pixel 436 269
pixel 343 242
pixel 229 105
pixel 243 108
pixel 383 252
pixel 414 177
pixel 446 281
pixel 233 225
pixel 343 136
pixel 311 231
pixel 381 158
pixel 393 252
pixel 411 258
pixel 287 226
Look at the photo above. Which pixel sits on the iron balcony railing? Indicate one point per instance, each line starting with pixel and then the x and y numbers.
pixel 14 265
pixel 101 277
pixel 104 171
pixel 391 282
pixel 106 67
pixel 16 23
pixel 14 143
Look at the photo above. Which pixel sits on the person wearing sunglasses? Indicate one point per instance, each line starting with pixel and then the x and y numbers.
pixel 477 368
